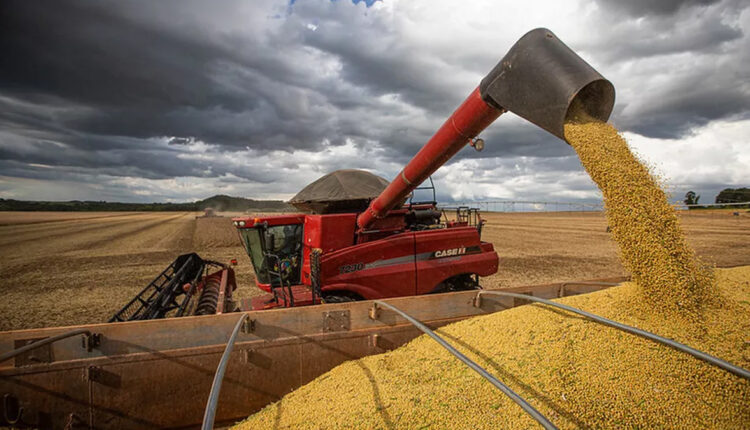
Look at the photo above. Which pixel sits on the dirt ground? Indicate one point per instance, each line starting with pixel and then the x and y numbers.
pixel 75 268
pixel 536 248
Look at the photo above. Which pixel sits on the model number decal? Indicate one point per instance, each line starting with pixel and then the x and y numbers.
pixel 349 268
pixel 449 252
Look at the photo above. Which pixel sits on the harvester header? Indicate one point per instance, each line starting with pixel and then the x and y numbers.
pixel 539 79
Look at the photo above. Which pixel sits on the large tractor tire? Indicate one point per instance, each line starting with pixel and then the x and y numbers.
pixel 341 297
pixel 464 282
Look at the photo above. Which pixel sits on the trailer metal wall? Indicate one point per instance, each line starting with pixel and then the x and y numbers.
pixel 158 373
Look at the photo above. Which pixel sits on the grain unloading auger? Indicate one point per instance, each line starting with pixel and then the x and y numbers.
pixel 127 374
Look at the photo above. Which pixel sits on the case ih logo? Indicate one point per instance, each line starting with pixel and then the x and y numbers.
pixel 449 252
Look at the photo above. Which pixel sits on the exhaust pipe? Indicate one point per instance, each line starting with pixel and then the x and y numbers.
pixel 540 79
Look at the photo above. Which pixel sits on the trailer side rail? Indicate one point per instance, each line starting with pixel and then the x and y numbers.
pixel 90 340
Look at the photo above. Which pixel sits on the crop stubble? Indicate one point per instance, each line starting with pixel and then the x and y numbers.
pixel 81 271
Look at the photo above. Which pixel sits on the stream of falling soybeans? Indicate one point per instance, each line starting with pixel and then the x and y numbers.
pixel 643 223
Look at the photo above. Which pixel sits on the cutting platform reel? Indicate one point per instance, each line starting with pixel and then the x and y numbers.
pixel 190 285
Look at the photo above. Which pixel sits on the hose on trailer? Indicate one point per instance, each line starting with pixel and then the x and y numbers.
pixel 18 351
pixel 729 367
pixel 536 415
pixel 213 398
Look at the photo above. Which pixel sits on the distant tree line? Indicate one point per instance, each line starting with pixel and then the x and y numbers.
pixel 727 195
pixel 733 195
pixel 219 203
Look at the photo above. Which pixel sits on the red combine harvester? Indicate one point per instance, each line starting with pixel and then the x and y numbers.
pixel 386 249
pixel 303 259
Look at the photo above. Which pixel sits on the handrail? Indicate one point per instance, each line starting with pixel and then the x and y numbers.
pixel 541 419
pixel 729 367
pixel 213 398
pixel 18 351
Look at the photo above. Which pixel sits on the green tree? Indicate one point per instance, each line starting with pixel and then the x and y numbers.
pixel 733 195
pixel 691 198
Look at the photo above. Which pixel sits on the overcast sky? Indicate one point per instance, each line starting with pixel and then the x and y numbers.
pixel 181 100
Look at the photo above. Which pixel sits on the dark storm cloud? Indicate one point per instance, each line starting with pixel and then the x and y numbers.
pixel 378 61
pixel 92 54
pixel 683 64
pixel 687 105
pixel 249 91
pixel 638 8
pixel 132 76
pixel 129 71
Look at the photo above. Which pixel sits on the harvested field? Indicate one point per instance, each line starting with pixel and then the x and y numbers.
pixel 11 218
pixel 75 271
pixel 540 248
pixel 64 270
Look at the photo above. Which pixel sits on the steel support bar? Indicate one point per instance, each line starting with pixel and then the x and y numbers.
pixel 541 419
pixel 213 398
pixel 10 354
pixel 729 367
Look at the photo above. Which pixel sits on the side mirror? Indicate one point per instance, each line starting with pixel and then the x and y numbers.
pixel 270 241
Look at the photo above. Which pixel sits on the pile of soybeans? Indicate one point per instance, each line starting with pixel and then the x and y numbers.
pixel 577 373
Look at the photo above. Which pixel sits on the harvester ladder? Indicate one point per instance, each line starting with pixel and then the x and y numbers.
pixel 315 255
pixel 283 284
